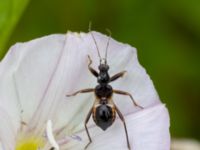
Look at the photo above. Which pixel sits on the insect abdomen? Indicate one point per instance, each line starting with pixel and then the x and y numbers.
pixel 104 116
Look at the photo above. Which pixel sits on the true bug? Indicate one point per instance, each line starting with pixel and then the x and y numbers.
pixel 104 109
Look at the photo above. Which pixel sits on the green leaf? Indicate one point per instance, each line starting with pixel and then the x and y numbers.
pixel 10 12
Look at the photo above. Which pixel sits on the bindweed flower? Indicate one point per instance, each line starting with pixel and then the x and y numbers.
pixel 36 76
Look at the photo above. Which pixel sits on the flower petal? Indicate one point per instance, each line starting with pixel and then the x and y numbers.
pixel 43 70
pixel 38 74
pixel 27 72
pixel 7 131
pixel 8 95
pixel 147 129
pixel 1 146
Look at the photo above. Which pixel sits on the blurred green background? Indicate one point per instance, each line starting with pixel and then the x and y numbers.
pixel 166 34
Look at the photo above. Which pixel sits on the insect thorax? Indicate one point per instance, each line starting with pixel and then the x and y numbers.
pixel 103 78
pixel 102 91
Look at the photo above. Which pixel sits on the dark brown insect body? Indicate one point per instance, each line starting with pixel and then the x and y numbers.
pixel 104 110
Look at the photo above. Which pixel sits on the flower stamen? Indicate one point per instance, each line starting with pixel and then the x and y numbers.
pixel 50 136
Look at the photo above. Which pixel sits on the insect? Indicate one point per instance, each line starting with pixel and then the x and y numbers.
pixel 104 109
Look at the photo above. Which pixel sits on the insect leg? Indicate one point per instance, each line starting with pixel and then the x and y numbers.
pixel 118 75
pixel 86 121
pixel 93 71
pixel 128 94
pixel 81 91
pixel 123 120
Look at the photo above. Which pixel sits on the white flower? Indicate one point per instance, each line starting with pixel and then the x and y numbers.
pixel 36 76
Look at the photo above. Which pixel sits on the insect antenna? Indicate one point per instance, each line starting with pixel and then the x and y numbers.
pixel 109 32
pixel 100 58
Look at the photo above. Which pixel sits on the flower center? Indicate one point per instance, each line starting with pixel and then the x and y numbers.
pixel 30 143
